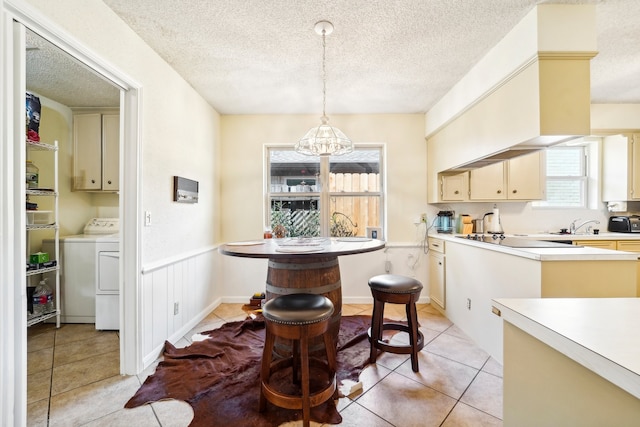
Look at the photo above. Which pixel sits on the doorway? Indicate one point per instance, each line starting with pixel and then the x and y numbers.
pixel 13 156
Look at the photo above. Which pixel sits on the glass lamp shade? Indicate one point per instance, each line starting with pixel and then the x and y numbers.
pixel 324 140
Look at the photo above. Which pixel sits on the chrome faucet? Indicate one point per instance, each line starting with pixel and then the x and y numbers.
pixel 573 228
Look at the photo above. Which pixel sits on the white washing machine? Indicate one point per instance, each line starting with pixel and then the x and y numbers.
pixel 89 274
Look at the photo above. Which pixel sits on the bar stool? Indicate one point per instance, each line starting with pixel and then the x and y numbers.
pixel 395 289
pixel 297 317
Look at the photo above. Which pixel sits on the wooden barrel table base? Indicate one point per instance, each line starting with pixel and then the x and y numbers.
pixel 312 275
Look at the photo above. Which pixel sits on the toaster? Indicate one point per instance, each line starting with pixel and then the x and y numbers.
pixel 624 224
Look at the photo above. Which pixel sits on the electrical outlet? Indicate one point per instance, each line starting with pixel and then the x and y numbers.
pixel 387 266
pixel 423 218
pixel 147 218
pixel 176 308
pixel 468 303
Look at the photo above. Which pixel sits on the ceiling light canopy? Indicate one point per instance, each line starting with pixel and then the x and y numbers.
pixel 324 140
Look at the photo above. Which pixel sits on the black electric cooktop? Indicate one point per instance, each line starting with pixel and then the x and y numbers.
pixel 515 242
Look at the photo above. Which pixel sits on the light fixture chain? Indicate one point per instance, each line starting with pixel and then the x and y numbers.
pixel 324 140
pixel 324 73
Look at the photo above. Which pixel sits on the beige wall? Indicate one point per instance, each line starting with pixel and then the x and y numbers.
pixel 179 130
pixel 75 207
pixel 243 139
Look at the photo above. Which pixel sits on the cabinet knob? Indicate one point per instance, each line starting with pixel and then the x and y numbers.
pixel 109 182
pixel 499 191
pixel 456 192
pixel 93 181
pixel 514 191
pixel 439 263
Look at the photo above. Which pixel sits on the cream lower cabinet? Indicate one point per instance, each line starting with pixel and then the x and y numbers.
pixel 437 280
pixel 600 244
pixel 620 245
pixel 631 246
pixel 520 178
pixel 96 152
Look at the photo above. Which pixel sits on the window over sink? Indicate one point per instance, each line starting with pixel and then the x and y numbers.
pixel 568 176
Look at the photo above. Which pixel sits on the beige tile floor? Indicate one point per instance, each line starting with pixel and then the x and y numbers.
pixel 73 379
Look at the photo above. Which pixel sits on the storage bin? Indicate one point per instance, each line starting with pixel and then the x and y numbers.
pixel 40 217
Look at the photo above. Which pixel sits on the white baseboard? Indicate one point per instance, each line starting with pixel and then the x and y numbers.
pixel 175 337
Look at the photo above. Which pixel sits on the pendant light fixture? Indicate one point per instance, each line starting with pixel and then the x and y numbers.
pixel 324 140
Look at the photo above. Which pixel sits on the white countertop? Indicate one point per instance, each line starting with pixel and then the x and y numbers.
pixel 601 334
pixel 577 237
pixel 570 253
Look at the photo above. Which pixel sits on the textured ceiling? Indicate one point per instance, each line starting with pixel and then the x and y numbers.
pixel 384 56
pixel 56 75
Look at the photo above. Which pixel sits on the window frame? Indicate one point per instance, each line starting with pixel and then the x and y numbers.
pixel 324 194
pixel 582 179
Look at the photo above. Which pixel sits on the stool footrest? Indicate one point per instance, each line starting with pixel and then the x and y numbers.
pixel 293 402
pixel 396 348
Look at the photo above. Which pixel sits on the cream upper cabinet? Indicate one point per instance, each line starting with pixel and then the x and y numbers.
pixel 526 177
pixel 520 178
pixel 96 152
pixel 488 183
pixel 621 167
pixel 111 152
pixel 454 188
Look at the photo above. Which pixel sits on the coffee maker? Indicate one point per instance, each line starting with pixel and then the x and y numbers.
pixel 444 222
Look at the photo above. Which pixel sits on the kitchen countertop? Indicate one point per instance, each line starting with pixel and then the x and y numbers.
pixel 601 334
pixel 577 237
pixel 551 254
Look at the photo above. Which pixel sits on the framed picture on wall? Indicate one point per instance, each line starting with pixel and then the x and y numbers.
pixel 185 190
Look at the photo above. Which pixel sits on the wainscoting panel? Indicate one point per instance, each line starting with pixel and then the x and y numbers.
pixel 177 294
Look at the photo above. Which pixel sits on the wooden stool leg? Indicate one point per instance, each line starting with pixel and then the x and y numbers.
pixel 265 370
pixel 412 322
pixel 295 368
pixel 304 361
pixel 376 328
pixel 330 348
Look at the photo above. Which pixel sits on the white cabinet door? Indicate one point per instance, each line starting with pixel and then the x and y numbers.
pixel 455 187
pixel 110 152
pixel 526 177
pixel 437 279
pixel 488 183
pixel 96 152
pixel 621 167
pixel 87 152
pixel 634 140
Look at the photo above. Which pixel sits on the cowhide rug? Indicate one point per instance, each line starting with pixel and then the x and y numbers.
pixel 220 376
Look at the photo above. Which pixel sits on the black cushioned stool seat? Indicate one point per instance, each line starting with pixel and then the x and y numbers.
pixel 395 289
pixel 297 317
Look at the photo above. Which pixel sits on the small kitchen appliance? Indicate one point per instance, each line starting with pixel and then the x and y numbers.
pixel 444 222
pixel 478 226
pixel 624 224
pixel 492 223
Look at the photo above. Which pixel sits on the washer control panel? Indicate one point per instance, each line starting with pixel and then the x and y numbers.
pixel 102 226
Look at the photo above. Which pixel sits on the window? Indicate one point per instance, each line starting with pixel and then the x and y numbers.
pixel 338 196
pixel 566 177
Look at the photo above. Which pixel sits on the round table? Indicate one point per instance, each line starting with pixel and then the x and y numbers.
pixel 308 265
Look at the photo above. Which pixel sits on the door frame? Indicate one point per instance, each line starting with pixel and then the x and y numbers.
pixel 15 16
